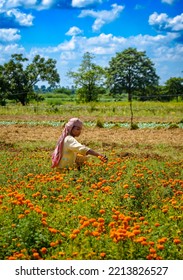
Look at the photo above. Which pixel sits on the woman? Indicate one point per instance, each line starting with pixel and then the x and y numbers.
pixel 64 155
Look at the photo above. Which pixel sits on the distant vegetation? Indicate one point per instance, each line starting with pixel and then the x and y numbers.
pixel 130 76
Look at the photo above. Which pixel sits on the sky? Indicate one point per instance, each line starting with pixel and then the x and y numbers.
pixel 66 29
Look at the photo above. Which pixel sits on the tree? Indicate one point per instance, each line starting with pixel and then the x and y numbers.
pixel 174 88
pixel 3 87
pixel 88 79
pixel 131 72
pixel 21 79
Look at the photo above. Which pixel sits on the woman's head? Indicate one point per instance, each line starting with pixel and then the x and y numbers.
pixel 74 127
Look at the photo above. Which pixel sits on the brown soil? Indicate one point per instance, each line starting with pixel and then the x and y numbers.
pixel 101 137
pixel 125 141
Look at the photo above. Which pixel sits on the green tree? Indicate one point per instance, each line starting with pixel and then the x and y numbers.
pixel 3 87
pixel 89 79
pixel 131 72
pixel 174 88
pixel 21 77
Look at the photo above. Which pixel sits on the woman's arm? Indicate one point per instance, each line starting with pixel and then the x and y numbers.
pixel 96 154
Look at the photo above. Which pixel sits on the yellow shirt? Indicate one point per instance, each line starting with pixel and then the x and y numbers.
pixel 70 150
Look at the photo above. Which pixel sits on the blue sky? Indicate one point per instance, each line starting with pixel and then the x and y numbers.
pixel 65 29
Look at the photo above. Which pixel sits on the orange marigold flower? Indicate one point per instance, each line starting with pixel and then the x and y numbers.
pixel 86 223
pixel 177 240
pixel 61 254
pixel 102 254
pixel 162 240
pixel 101 220
pixel 36 255
pixel 160 246
pixel 73 236
pixel 43 250
pixel 53 244
pixel 21 216
pixel 75 231
pixel 102 211
pixel 53 230
pixel 152 250
pixel 136 231
pixel 157 224
pixel 95 233
pixel 95 224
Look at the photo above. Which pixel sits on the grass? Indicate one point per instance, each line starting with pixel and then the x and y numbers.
pixel 169 112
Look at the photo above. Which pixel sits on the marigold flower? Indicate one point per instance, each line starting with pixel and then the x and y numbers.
pixel 21 216
pixel 157 224
pixel 43 250
pixel 102 254
pixel 36 255
pixel 101 220
pixel 73 236
pixel 160 246
pixel 162 240
pixel 95 233
pixel 53 244
pixel 61 254
pixel 136 231
pixel 53 230
pixel 177 240
pixel 75 231
pixel 152 250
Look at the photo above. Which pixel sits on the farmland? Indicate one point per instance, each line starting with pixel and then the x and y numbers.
pixel 128 208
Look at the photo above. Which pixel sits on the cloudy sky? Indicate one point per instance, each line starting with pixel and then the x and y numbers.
pixel 65 29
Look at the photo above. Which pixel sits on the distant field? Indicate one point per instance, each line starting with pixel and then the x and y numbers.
pixel 150 111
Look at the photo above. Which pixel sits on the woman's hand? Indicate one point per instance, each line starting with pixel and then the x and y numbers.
pixel 103 158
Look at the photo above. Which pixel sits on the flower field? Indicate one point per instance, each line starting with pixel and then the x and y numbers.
pixel 128 208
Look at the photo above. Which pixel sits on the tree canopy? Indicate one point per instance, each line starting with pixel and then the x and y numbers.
pixel 88 79
pixel 131 72
pixel 18 78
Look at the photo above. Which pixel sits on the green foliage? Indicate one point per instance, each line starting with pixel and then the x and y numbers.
pixel 174 88
pixel 88 79
pixel 131 72
pixel 99 123
pixel 19 78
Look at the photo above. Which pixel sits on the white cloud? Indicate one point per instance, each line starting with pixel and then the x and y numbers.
pixel 168 1
pixel 8 50
pixel 102 17
pixel 163 22
pixel 108 44
pixel 34 4
pixel 22 18
pixel 8 35
pixel 164 53
pixel 9 4
pixel 46 4
pixel 84 3
pixel 73 31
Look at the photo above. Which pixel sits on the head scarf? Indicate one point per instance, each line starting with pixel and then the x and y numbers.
pixel 57 154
